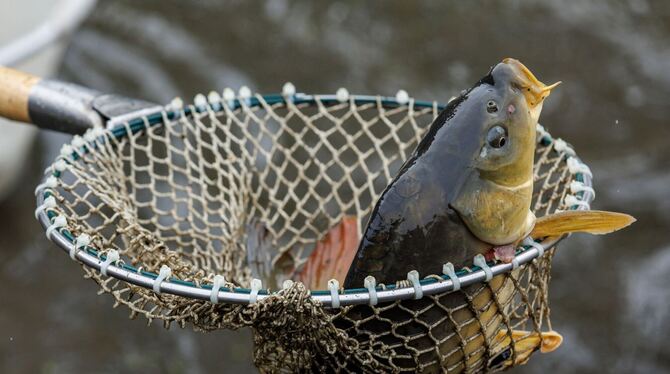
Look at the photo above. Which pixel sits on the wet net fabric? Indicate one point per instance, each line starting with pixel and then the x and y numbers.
pixel 248 192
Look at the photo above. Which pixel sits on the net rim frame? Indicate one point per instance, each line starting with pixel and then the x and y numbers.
pixel 136 121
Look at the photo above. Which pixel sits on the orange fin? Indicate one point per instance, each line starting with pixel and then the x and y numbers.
pixel 527 342
pixel 596 222
pixel 332 256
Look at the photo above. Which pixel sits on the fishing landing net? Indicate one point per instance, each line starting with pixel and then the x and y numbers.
pixel 199 215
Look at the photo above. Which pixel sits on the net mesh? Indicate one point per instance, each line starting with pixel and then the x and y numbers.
pixel 248 191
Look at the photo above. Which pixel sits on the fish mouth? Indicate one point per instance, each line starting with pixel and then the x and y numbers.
pixel 533 90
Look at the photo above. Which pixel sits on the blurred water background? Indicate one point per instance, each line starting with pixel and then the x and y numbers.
pixel 609 295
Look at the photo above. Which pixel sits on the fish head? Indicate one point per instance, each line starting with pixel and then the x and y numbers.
pixel 494 201
pixel 513 103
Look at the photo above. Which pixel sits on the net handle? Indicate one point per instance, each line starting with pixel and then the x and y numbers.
pixel 15 87
pixel 60 106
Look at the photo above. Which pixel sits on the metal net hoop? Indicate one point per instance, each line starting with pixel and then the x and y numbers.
pixel 215 195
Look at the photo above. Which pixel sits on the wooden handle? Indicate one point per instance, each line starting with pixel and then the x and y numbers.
pixel 15 89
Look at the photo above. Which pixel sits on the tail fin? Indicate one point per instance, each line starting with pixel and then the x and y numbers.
pixel 332 256
pixel 589 221
pixel 526 342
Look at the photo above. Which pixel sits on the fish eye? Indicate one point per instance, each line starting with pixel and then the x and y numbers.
pixel 498 362
pixel 497 136
pixel 491 106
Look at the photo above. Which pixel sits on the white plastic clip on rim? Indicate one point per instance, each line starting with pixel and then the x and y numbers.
pixel 402 97
pixel 58 222
pixel 51 182
pixel 59 165
pixel 228 96
pixel 288 89
pixel 176 104
pixel 480 261
pixel 333 286
pixel 342 95
pixel 82 241
pixel 200 101
pixel 413 276
pixel 448 270
pixel 571 200
pixel 78 142
pixel 577 186
pixel 245 95
pixel 245 92
pixel 543 133
pixel 49 203
pixel 98 131
pixel 371 283
pixel 575 166
pixel 529 241
pixel 256 286
pixel 213 97
pixel 89 136
pixel 112 257
pixel 216 286
pixel 561 146
pixel 66 150
pixel 163 274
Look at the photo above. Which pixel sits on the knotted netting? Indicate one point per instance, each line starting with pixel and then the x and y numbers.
pixel 227 192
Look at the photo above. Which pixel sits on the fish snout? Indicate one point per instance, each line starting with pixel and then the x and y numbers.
pixel 533 90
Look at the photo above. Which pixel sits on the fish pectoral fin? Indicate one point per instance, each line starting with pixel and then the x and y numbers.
pixel 332 256
pixel 596 222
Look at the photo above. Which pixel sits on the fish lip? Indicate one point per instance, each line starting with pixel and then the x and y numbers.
pixel 532 88
pixel 517 65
